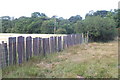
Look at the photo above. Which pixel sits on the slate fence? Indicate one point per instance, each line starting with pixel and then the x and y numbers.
pixel 21 49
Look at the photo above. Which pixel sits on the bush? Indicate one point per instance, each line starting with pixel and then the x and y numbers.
pixel 100 29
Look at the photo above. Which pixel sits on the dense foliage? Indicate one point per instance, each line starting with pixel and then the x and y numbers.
pixel 101 25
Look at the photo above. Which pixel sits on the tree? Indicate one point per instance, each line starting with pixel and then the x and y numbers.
pixel 61 31
pixel 35 14
pixel 99 28
pixel 79 27
pixel 101 13
pixel 74 19
pixel 117 17
pixel 34 27
pixel 47 27
pixel 6 24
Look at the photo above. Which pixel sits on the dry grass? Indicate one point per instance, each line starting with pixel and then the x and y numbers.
pixel 93 60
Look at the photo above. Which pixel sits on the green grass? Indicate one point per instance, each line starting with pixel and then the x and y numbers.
pixel 94 60
pixel 0 73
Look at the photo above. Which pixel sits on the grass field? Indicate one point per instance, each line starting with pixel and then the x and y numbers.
pixel 93 60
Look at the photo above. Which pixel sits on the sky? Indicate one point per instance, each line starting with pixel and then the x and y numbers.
pixel 60 8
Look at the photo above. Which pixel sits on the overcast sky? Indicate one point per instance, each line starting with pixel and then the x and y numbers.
pixel 61 8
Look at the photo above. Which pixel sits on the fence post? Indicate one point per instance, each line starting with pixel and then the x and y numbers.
pixel 55 44
pixel 59 44
pixel 20 49
pixel 36 46
pixel 1 61
pixel 82 38
pixel 14 50
pixel 10 51
pixel 73 36
pixel 5 53
pixel 51 45
pixel 47 45
pixel 44 46
pixel 40 45
pixel 71 40
pixel 67 40
pixel 64 42
pixel 28 47
pixel 87 37
pixel 1 57
pixel 77 38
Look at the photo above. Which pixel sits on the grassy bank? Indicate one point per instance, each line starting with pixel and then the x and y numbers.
pixel 93 60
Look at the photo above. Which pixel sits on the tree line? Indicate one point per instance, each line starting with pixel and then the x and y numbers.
pixel 101 25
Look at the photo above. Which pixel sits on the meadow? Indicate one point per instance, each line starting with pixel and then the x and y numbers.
pixel 92 60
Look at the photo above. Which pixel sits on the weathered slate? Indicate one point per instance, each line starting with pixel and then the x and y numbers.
pixel 14 50
pixel 10 51
pixel 59 44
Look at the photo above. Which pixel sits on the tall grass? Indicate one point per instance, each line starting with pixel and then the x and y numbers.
pixel 93 60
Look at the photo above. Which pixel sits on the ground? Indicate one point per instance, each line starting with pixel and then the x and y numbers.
pixel 93 60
